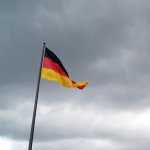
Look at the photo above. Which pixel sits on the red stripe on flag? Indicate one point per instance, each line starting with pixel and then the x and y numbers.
pixel 79 87
pixel 49 64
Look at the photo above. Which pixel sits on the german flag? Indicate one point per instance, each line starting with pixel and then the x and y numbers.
pixel 53 69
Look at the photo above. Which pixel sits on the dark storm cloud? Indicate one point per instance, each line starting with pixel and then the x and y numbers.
pixel 82 37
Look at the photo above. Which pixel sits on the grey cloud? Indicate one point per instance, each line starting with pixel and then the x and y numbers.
pixel 102 41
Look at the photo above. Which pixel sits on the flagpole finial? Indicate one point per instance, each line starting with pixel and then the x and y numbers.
pixel 44 43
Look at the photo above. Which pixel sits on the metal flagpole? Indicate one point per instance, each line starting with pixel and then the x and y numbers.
pixel 35 105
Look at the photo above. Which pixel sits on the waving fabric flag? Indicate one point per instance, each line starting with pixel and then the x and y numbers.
pixel 53 69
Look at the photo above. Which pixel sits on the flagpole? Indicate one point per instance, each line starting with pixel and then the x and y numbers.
pixel 36 101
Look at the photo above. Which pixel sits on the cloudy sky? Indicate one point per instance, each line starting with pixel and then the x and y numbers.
pixel 106 42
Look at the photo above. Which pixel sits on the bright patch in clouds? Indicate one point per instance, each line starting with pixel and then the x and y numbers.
pixel 90 121
pixel 5 144
pixel 9 144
